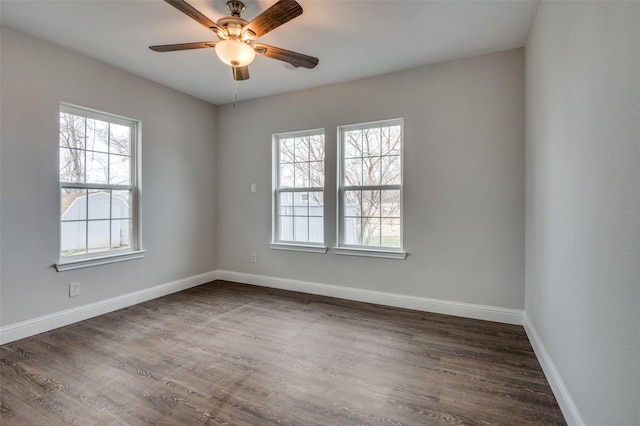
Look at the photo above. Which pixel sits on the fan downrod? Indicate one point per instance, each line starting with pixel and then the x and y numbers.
pixel 235 7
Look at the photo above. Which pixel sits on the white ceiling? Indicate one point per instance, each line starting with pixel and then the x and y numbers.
pixel 353 39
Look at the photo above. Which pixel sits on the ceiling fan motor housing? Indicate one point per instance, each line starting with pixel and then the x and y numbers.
pixel 231 26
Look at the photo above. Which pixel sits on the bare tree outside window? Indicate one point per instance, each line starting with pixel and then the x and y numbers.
pixel 94 151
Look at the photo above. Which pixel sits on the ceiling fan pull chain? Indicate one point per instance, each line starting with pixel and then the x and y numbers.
pixel 235 93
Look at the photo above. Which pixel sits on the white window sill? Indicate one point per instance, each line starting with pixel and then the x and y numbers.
pixel 68 265
pixel 298 247
pixel 385 254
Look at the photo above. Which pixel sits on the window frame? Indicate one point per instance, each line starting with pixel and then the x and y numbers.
pixel 134 251
pixel 295 245
pixel 361 250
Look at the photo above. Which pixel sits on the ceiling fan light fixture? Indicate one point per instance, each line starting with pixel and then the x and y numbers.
pixel 235 53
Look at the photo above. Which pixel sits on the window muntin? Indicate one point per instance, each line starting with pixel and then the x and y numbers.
pixel 299 188
pixel 98 184
pixel 370 186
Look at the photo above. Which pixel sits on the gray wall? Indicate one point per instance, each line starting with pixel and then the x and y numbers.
pixel 178 178
pixel 464 180
pixel 583 201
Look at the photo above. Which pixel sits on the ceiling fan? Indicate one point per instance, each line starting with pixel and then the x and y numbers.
pixel 237 46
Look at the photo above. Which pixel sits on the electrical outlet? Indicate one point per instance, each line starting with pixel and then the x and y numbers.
pixel 254 187
pixel 254 257
pixel 74 289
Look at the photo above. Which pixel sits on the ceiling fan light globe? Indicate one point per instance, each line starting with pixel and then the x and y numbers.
pixel 235 53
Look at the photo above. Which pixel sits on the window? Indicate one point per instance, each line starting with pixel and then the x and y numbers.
pixel 370 189
pixel 98 188
pixel 298 196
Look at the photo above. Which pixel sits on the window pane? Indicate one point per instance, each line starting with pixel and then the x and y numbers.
pixel 99 235
pixel 370 232
pixel 352 203
pixel 390 203
pixel 73 204
pixel 97 135
pixel 301 228
pixel 302 175
pixel 286 203
pixel 391 140
pixel 301 149
pixel 390 229
pixel 121 205
pixel 353 144
pixel 99 204
pixel 370 204
pixel 316 229
pixel 316 169
pixel 119 170
pixel 286 150
pixel 371 142
pixel 72 131
pixel 73 238
pixel 371 171
pixel 391 170
pixel 353 171
pixel 316 204
pixel 97 167
pixel 316 148
pixel 350 231
pixel 121 234
pixel 286 175
pixel 120 139
pixel 286 228
pixel 301 204
pixel 71 165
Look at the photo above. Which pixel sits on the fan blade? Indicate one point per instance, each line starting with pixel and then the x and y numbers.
pixel 192 13
pixel 183 46
pixel 293 58
pixel 241 73
pixel 278 14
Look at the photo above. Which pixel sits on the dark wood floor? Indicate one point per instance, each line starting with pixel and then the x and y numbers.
pixel 225 353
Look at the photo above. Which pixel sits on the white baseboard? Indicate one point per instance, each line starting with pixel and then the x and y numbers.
pixel 468 310
pixel 565 401
pixel 34 326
